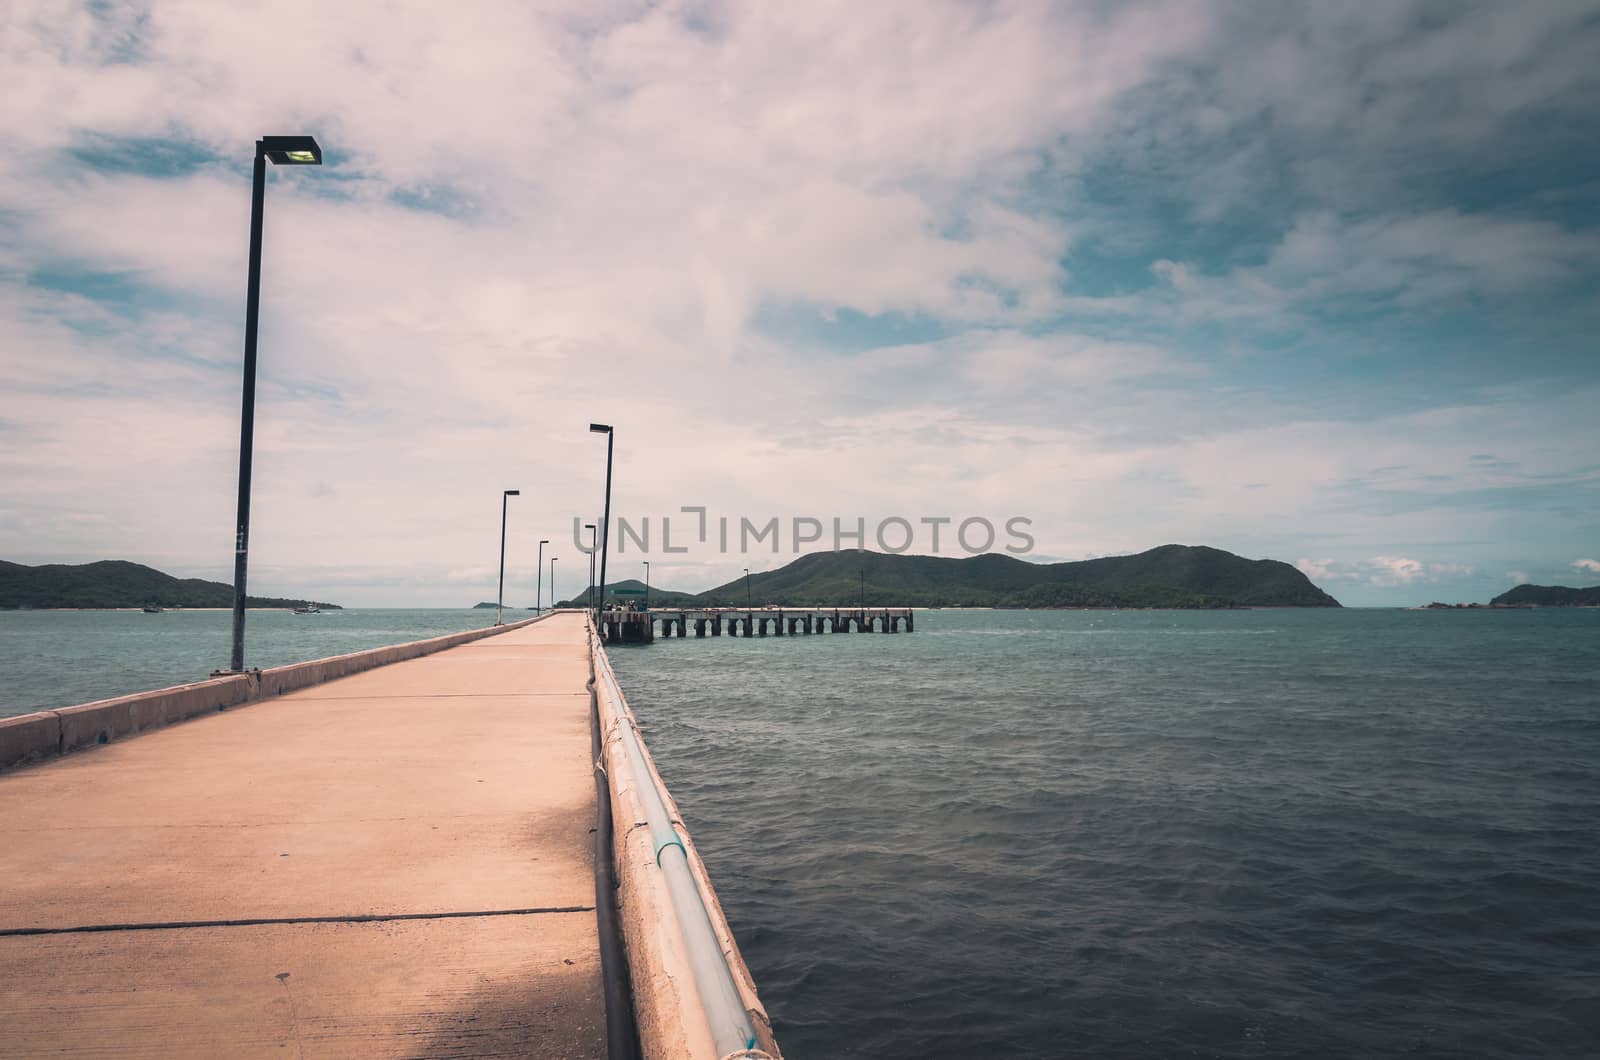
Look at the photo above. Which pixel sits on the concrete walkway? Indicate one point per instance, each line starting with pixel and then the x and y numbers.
pixel 398 863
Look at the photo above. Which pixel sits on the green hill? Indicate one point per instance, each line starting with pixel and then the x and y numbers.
pixel 1172 576
pixel 118 583
pixel 658 597
pixel 1549 596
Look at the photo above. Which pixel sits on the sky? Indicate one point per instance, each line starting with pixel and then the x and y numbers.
pixel 1310 282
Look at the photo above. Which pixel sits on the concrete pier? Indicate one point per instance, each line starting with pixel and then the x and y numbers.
pixel 634 627
pixel 396 863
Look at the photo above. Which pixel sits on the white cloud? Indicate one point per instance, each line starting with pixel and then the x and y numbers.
pixel 1517 577
pixel 1354 105
pixel 1397 570
pixel 1384 571
pixel 1407 261
pixel 1322 570
pixel 645 182
pixel 1590 565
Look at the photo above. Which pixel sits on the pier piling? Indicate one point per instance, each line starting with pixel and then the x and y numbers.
pixel 636 627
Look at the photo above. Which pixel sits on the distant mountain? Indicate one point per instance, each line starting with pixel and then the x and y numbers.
pixel 1549 596
pixel 118 583
pixel 1172 576
pixel 658 597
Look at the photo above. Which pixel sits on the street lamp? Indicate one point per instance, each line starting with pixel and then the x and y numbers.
pixel 605 518
pixel 538 580
pixel 590 527
pixel 499 598
pixel 282 151
pixel 647 585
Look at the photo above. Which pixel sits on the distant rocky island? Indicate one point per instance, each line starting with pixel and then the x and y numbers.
pixel 1440 606
pixel 1528 596
pixel 115 583
pixel 1171 576
pixel 1548 596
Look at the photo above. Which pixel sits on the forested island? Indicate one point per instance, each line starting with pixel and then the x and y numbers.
pixel 115 583
pixel 1171 576
pixel 1548 596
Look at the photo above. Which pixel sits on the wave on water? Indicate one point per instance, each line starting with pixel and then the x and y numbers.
pixel 1356 837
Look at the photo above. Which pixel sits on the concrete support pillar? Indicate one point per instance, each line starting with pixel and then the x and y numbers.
pixel 699 627
pixel 781 620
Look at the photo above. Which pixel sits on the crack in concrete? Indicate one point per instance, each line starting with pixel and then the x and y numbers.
pixel 367 918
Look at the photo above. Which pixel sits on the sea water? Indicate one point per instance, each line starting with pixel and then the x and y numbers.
pixel 1152 834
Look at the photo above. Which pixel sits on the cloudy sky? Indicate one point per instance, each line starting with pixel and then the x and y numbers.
pixel 1313 282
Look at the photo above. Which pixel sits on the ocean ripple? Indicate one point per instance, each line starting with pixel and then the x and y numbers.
pixel 1342 833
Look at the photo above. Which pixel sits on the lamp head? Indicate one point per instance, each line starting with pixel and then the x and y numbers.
pixel 513 493
pixel 600 428
pixel 290 150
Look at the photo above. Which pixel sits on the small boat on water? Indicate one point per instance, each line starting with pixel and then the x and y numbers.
pixel 309 609
pixel 152 609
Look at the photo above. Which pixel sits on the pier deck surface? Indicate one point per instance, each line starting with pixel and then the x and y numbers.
pixel 228 871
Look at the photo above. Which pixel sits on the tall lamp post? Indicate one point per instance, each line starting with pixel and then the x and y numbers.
pixel 605 518
pixel 499 596
pixel 647 585
pixel 538 580
pixel 280 151
pixel 590 527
